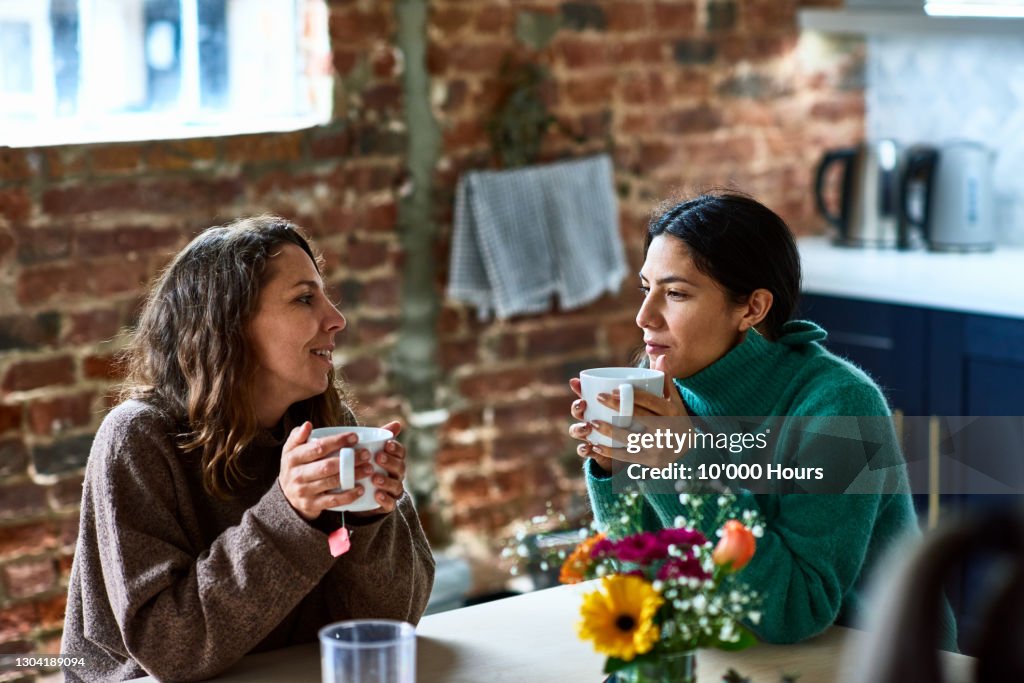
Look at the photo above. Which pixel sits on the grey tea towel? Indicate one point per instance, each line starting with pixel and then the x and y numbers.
pixel 522 235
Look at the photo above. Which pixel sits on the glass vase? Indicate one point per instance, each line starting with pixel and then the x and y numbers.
pixel 673 667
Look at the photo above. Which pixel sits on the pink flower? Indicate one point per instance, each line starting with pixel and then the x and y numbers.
pixel 602 548
pixel 642 548
pixel 681 537
pixel 682 568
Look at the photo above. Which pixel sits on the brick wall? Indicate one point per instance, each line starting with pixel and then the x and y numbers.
pixel 684 95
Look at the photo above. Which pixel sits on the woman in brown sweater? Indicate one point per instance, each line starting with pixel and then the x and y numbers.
pixel 205 511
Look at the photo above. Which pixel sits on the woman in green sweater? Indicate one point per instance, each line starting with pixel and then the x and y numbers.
pixel 720 280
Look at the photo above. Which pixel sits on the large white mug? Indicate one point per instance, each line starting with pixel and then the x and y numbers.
pixel 373 440
pixel 606 380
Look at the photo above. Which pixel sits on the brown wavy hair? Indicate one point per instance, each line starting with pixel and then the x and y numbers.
pixel 191 355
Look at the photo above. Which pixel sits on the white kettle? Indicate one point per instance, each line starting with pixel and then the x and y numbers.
pixel 958 201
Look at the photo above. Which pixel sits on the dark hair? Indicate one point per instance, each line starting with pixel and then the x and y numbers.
pixel 191 354
pixel 742 245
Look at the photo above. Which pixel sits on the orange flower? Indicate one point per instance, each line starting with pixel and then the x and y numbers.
pixel 575 566
pixel 736 548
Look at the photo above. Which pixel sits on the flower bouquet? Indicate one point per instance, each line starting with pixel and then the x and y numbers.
pixel 663 594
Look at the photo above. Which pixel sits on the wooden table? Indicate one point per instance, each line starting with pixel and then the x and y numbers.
pixel 532 638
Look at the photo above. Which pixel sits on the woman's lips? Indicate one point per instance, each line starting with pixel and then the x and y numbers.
pixel 656 349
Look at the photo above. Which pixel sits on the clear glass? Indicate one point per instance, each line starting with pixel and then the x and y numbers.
pixel 674 667
pixel 368 651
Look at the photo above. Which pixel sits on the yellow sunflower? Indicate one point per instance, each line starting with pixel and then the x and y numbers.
pixel 619 617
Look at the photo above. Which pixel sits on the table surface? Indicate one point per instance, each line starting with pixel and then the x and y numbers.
pixel 532 638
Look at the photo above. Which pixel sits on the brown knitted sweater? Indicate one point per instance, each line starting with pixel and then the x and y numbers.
pixel 172 582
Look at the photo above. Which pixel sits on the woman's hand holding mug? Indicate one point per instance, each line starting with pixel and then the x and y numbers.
pixel 310 478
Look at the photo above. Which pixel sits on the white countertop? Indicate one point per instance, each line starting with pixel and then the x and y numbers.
pixel 991 283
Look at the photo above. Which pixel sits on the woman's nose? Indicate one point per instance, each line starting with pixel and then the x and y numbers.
pixel 335 321
pixel 647 316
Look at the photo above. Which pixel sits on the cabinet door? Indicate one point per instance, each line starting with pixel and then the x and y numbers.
pixel 885 340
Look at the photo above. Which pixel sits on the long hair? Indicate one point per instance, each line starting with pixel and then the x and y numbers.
pixel 191 354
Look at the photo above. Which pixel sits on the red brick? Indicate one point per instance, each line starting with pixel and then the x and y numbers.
pixel 560 339
pixel 626 16
pixel 385 63
pixel 31 577
pixel 524 447
pixel 180 155
pixel 42 245
pixel 14 166
pixel 125 239
pixel 103 366
pixel 333 142
pixel 53 415
pixel 170 195
pixel 80 279
pixel 459 455
pixel 345 59
pixel 26 539
pixel 549 410
pixel 7 243
pixel 484 58
pixel 32 374
pixel 839 108
pixel 15 204
pixel 455 95
pixel 22 500
pixel 493 19
pixel 50 613
pixel 641 51
pixel 350 26
pixel 66 494
pixel 116 159
pixel 462 420
pixel 701 118
pixel 10 417
pixel 382 217
pixel 450 20
pixel 382 293
pixel 365 255
pixel 13 457
pixel 20 331
pixel 264 148
pixel 375 330
pixel 465 133
pixel 18 620
pixel 676 18
pixel 69 531
pixel 765 15
pixel 453 354
pixel 469 488
pixel 585 91
pixel 67 162
pixel 580 53
pixel 362 371
pixel 86 327
pixel 623 334
pixel 483 384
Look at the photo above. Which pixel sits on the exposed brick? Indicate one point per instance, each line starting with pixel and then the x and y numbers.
pixel 766 15
pixel 62 456
pixel 646 51
pixel 580 16
pixel 116 159
pixel 582 53
pixel 585 91
pixel 382 217
pixel 30 577
pixel 28 331
pixel 471 58
pixel 17 647
pixel 18 501
pixel 124 239
pixel 351 26
pixel 27 538
pixel 345 59
pixel 66 494
pixel 15 204
pixel 513 416
pixel 453 354
pixel 51 416
pixel 365 255
pixel 626 16
pixel 363 371
pixel 524 447
pixel 382 293
pixel 168 196
pixel 180 155
pixel 69 529
pixel 17 621
pixel 469 488
pixel 721 15
pixel 7 243
pixel 493 19
pixel 694 51
pixel 839 108
pixel 40 246
pixel 80 279
pixel 676 18
pixel 450 20
pixel 102 366
pixel 697 119
pixel 14 166
pixel 264 148
pixel 330 142
pixel 92 326
pixel 462 420
pixel 50 612
pixel 560 339
pixel 459 455
pixel 13 457
pixel 484 384
pixel 10 417
pixel 66 162
pixel 375 330
pixel 32 374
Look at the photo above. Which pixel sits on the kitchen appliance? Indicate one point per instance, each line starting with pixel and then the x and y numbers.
pixel 870 202
pixel 957 205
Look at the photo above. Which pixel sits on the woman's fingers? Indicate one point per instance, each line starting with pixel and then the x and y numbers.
pixel 576 386
pixel 580 430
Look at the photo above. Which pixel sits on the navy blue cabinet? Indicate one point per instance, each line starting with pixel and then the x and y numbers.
pixel 944 364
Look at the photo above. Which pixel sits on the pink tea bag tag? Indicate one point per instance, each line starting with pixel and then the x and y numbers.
pixel 339 542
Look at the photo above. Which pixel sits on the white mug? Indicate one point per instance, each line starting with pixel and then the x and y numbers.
pixel 370 438
pixel 606 380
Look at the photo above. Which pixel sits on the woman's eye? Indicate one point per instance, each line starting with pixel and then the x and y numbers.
pixel 676 295
pixel 305 299
pixel 644 290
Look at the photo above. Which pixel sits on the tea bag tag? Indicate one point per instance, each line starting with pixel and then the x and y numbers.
pixel 339 541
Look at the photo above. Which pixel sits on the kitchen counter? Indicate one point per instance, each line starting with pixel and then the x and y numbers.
pixel 990 283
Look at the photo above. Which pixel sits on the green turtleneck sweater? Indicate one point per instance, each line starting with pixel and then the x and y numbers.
pixel 818 549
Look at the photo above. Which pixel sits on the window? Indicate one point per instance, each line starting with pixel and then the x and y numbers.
pixel 103 70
